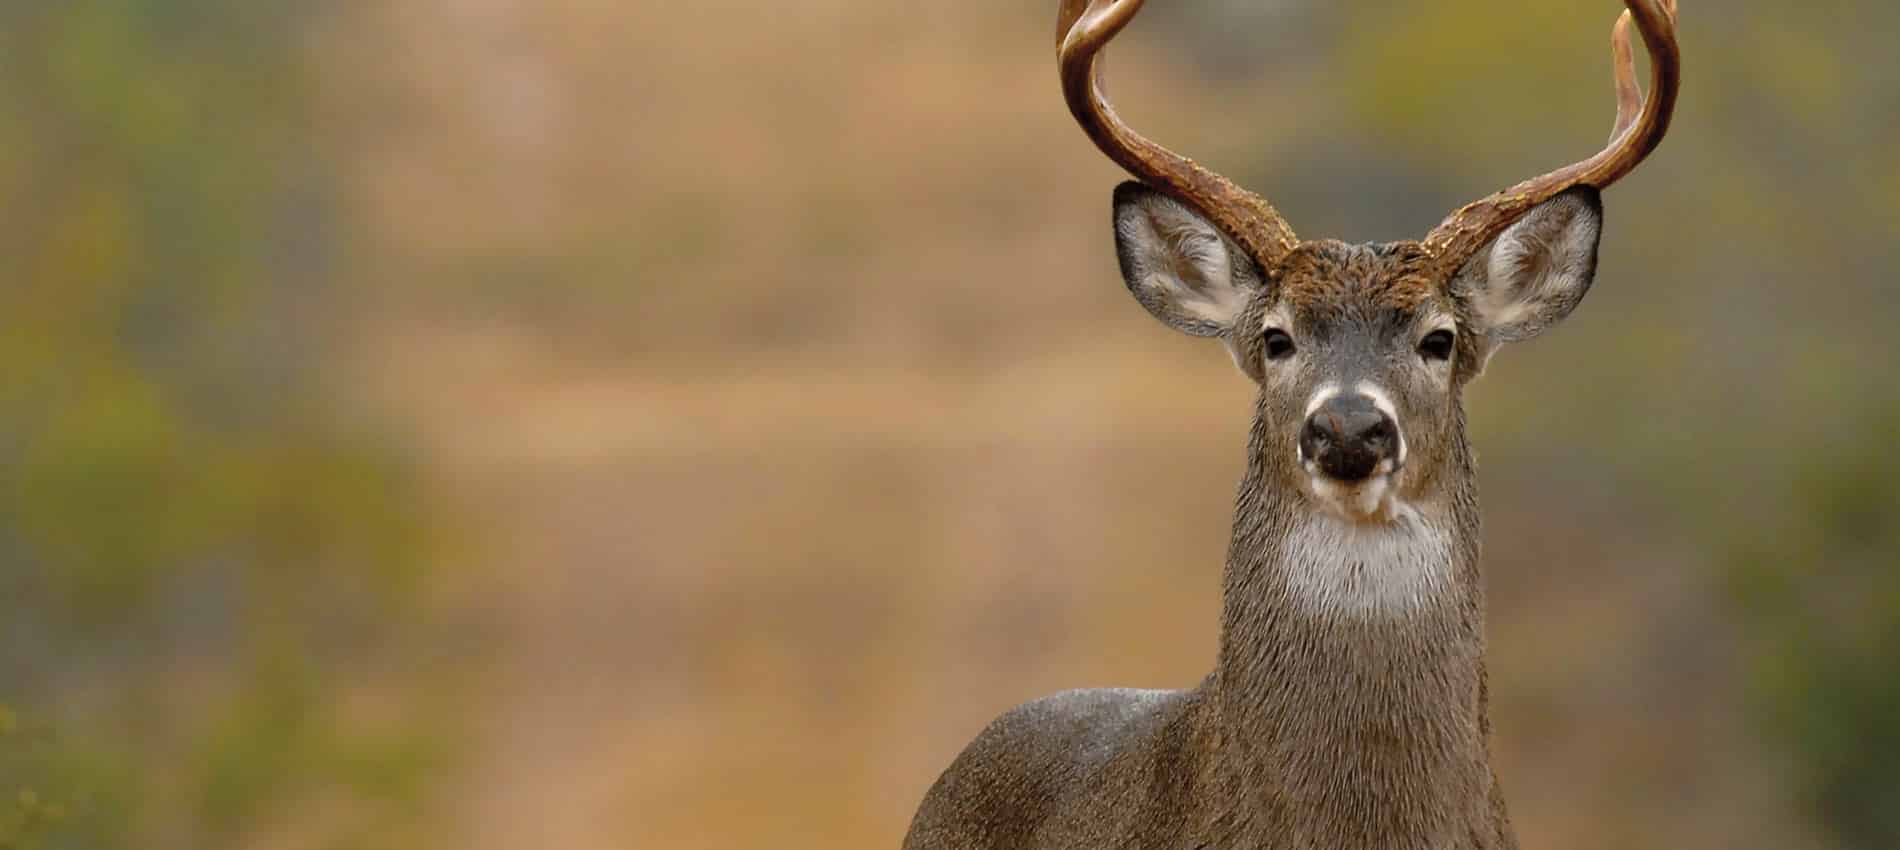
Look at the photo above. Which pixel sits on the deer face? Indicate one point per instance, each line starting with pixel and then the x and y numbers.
pixel 1360 351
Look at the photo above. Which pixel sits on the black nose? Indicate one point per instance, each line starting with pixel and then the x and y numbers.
pixel 1348 436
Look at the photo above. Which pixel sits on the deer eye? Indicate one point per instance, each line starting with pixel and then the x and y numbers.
pixel 1436 345
pixel 1279 344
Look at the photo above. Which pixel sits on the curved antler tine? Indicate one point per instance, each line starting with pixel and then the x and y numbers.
pixel 1629 98
pixel 1083 28
pixel 1641 123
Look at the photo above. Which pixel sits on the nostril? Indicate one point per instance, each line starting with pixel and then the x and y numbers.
pixel 1313 439
pixel 1379 433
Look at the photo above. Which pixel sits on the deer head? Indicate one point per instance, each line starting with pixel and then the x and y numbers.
pixel 1361 352
pixel 1348 705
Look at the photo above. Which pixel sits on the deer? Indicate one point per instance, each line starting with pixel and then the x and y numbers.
pixel 1348 708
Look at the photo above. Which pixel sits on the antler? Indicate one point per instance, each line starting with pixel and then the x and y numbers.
pixel 1632 138
pixel 1083 27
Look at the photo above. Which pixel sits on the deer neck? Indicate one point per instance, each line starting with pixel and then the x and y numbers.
pixel 1349 700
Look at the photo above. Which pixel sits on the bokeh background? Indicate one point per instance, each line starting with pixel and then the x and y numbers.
pixel 505 424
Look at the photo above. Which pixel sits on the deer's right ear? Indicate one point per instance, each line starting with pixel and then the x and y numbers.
pixel 1177 264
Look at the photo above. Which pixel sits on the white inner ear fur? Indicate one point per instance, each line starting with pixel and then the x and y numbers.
pixel 1538 270
pixel 1179 261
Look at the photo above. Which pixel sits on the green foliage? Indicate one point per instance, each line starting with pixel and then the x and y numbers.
pixel 54 793
pixel 196 557
pixel 1821 594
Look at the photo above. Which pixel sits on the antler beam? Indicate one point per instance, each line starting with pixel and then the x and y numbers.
pixel 1083 28
pixel 1639 128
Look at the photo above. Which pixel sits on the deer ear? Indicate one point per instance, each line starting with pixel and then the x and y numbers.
pixel 1536 272
pixel 1177 264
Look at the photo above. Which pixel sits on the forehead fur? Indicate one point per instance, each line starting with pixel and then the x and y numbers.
pixel 1326 275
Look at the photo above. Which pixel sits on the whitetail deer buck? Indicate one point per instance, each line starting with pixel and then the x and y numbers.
pixel 1347 709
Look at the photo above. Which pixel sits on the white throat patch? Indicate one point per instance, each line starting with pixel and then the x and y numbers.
pixel 1338 567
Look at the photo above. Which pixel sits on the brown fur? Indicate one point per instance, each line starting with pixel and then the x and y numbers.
pixel 1311 732
pixel 1326 273
pixel 1322 725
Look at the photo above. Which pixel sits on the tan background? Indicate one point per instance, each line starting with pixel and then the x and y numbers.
pixel 737 407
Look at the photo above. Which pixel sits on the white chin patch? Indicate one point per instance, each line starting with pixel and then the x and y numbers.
pixel 1339 568
pixel 1373 500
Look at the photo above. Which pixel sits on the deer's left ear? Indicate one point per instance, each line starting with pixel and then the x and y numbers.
pixel 1536 272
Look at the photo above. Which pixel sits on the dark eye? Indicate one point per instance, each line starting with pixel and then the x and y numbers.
pixel 1436 346
pixel 1279 344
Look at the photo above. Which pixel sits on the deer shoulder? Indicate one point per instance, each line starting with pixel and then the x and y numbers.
pixel 1348 705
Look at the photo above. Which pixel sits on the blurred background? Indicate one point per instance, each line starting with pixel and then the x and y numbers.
pixel 502 424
